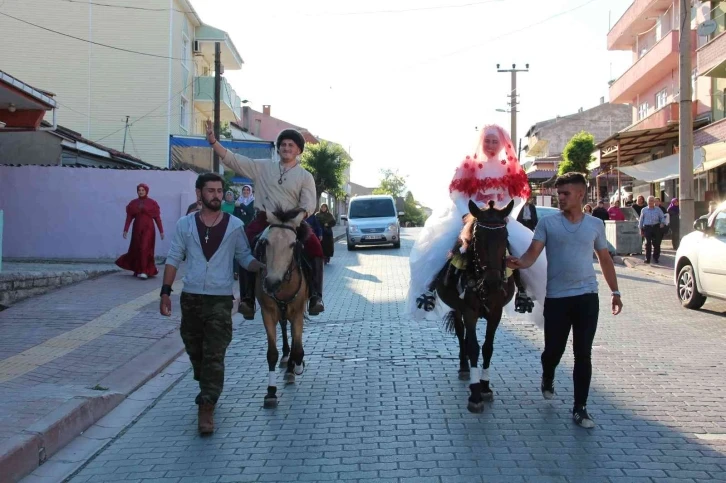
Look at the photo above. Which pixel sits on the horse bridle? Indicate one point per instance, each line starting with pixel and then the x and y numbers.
pixel 479 268
pixel 295 261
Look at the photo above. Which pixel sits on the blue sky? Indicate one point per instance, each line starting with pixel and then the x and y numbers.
pixel 404 83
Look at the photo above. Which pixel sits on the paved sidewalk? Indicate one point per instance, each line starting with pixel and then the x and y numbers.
pixel 664 268
pixel 68 357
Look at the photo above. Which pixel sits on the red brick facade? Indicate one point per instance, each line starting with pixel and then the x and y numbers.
pixel 712 133
pixel 711 54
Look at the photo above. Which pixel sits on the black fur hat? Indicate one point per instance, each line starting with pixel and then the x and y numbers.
pixel 294 136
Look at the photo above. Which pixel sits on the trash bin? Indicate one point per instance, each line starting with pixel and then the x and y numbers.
pixel 624 236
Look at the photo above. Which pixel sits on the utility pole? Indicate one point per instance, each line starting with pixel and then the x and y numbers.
pixel 217 95
pixel 513 95
pixel 685 128
pixel 126 128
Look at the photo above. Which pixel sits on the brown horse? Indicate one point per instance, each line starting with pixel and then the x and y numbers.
pixel 487 290
pixel 282 291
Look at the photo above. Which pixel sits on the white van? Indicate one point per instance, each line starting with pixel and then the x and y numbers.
pixel 372 220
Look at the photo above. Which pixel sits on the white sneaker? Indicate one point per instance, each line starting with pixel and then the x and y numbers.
pixel 143 276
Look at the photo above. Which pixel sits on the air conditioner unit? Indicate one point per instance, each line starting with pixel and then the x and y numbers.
pixel 196 47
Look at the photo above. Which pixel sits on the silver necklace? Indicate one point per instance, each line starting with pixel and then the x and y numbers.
pixel 206 235
pixel 283 171
pixel 567 229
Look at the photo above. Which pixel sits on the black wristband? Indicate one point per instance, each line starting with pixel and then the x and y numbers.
pixel 212 144
pixel 166 290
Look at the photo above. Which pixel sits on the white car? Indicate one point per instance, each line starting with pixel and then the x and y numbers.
pixel 700 269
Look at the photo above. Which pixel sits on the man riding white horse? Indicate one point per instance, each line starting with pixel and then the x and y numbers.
pixel 281 186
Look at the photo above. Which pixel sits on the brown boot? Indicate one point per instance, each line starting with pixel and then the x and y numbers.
pixel 247 308
pixel 206 418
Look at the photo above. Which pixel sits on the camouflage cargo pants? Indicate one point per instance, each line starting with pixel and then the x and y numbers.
pixel 206 329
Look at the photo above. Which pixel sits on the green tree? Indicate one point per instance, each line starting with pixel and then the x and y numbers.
pixel 225 131
pixel 392 184
pixel 578 153
pixel 327 163
pixel 412 211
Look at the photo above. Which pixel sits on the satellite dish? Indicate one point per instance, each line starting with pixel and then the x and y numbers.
pixel 707 28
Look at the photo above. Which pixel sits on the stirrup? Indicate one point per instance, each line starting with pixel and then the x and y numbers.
pixel 523 303
pixel 426 301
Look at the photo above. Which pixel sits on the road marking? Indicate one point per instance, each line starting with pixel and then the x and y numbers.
pixel 67 342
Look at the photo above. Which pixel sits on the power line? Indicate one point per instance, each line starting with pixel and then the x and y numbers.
pixel 147 9
pixel 133 144
pixel 405 10
pixel 498 37
pixel 148 113
pixel 90 41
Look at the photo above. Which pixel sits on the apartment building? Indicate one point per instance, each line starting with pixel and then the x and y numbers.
pixel 647 150
pixel 149 60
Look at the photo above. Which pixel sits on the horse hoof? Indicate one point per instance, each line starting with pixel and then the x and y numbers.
pixel 302 369
pixel 270 402
pixel 464 375
pixel 289 378
pixel 475 407
pixel 283 361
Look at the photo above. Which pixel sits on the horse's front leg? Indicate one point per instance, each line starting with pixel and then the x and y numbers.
pixel 463 358
pixel 493 319
pixel 272 355
pixel 476 403
pixel 296 365
pixel 285 344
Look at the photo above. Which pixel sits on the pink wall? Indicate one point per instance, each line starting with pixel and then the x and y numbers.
pixel 79 213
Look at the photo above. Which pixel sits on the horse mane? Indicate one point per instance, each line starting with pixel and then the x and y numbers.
pixel 467 233
pixel 285 216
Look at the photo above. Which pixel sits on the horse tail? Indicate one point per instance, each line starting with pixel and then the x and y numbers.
pixel 450 322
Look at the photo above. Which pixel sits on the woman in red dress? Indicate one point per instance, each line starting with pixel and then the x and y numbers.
pixel 144 212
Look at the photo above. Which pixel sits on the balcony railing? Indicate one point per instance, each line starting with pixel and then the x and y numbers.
pixel 662 117
pixel 653 66
pixel 639 17
pixel 712 54
pixel 204 92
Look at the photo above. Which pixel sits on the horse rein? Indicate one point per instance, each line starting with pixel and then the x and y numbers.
pixel 479 268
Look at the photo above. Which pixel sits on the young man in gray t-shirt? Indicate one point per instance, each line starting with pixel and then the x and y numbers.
pixel 572 301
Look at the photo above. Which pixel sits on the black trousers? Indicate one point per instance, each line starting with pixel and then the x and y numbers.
pixel 653 238
pixel 579 313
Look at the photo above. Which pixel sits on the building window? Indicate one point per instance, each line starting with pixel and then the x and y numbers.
pixel 184 114
pixel 185 59
pixel 643 111
pixel 661 99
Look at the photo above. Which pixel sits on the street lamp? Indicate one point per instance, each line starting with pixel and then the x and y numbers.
pixel 502 110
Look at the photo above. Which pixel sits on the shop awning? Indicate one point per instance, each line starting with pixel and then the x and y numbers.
pixel 661 169
pixel 712 156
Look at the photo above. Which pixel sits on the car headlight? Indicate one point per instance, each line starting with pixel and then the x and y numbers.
pixel 393 228
pixel 353 229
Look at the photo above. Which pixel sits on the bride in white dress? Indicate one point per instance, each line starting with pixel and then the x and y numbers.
pixel 492 172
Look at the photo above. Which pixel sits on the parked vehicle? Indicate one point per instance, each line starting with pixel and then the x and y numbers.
pixel 372 220
pixel 543 211
pixel 700 269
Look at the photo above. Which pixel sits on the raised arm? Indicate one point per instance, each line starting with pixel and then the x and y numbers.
pixel 241 165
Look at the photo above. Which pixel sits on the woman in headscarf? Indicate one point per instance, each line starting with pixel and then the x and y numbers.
pixel 246 205
pixel 674 215
pixel 327 221
pixel 228 203
pixel 491 173
pixel 144 212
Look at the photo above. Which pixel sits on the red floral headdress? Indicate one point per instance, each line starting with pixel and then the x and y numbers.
pixel 471 176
